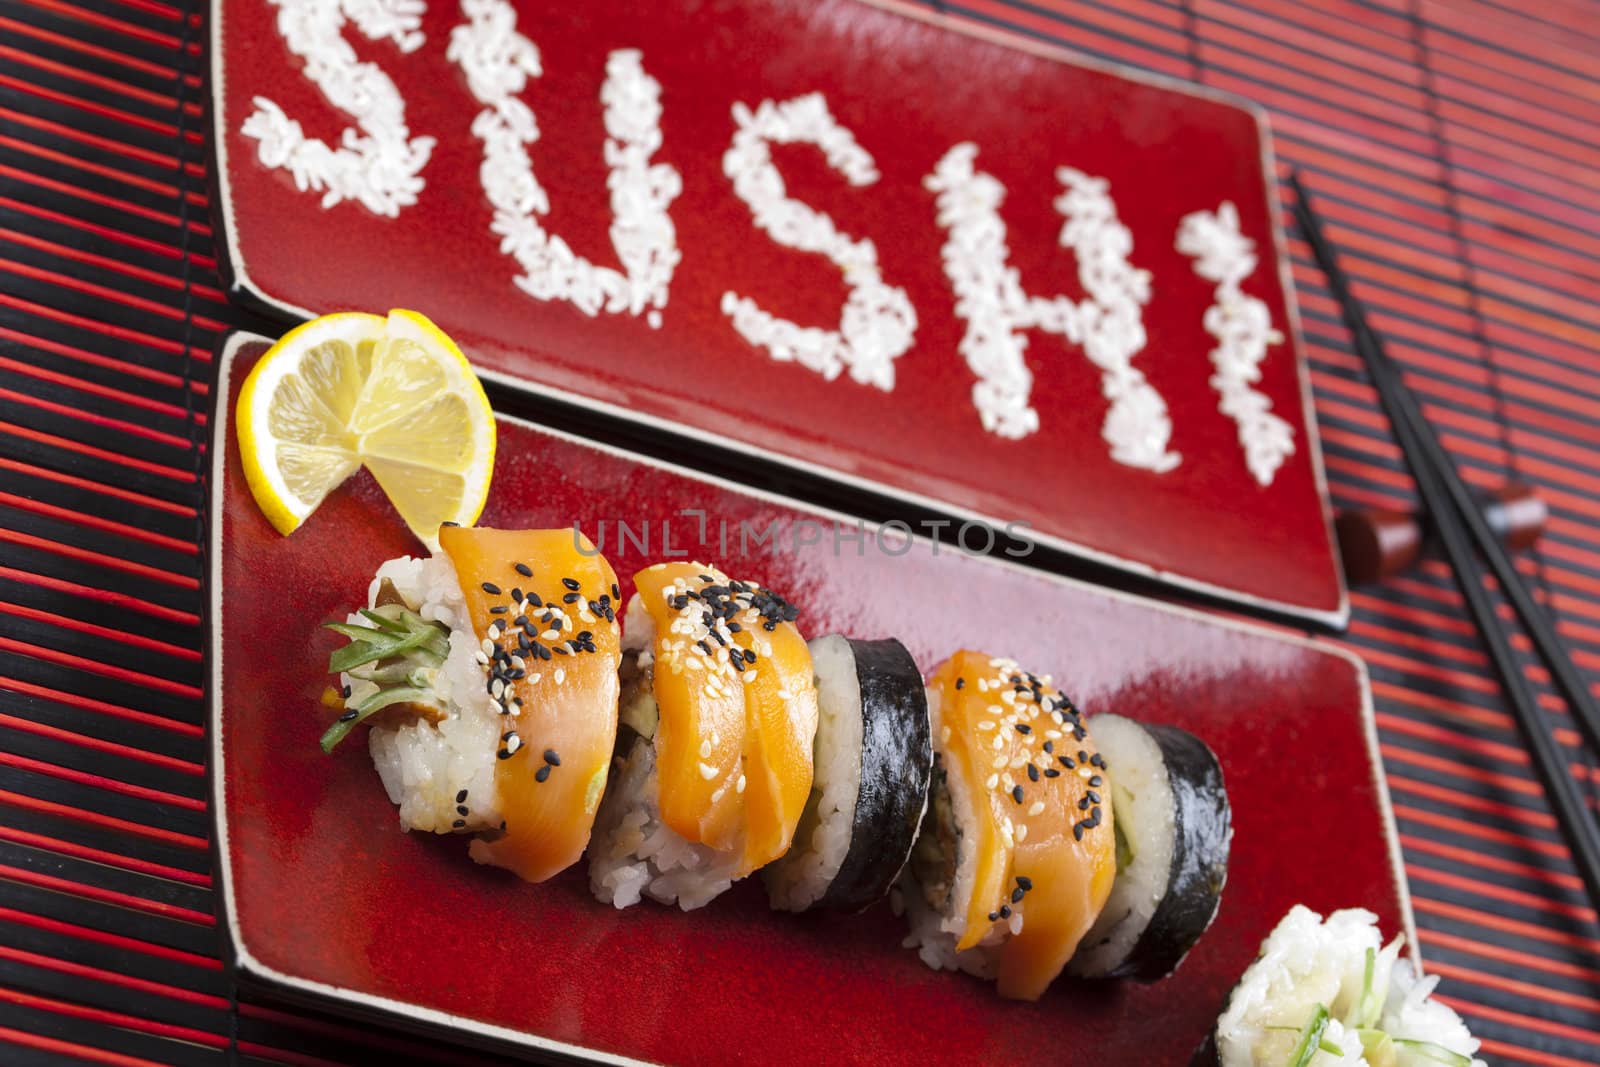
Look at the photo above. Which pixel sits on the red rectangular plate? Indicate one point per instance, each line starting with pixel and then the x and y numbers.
pixel 324 895
pixel 902 88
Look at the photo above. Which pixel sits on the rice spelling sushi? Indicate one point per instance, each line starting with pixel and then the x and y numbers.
pixel 873 758
pixel 1173 828
pixel 488 674
pixel 1330 993
pixel 714 764
pixel 1016 856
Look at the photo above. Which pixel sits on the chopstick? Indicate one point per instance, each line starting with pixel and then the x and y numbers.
pixel 1461 527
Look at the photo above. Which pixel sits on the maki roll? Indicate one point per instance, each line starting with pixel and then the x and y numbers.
pixel 1173 827
pixel 1016 856
pixel 1324 993
pixel 713 768
pixel 488 675
pixel 873 757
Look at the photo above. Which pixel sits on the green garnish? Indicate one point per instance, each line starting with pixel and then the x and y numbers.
pixel 1310 1038
pixel 1437 1053
pixel 1370 1006
pixel 400 653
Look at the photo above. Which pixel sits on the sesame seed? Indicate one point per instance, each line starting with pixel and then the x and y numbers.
pixel 461 797
pixel 738 787
pixel 1035 808
pixel 461 809
pixel 1095 779
pixel 1022 833
pixel 491 588
pixel 705 749
pixel 350 716
pixel 993 915
pixel 1024 728
pixel 992 782
pixel 1077 831
pixel 561 675
pixel 1051 772
pixel 542 774
pixel 707 771
pixel 458 824
pixel 1016 896
pixel 570 583
pixel 551 757
pixel 1033 773
pixel 523 569
pixel 1016 794
pixel 961 683
pixel 1005 911
pixel 1024 883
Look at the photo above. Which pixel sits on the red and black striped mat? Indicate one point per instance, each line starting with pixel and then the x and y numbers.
pixel 1456 148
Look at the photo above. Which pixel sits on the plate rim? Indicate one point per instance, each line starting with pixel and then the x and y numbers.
pixel 240 285
pixel 401 1012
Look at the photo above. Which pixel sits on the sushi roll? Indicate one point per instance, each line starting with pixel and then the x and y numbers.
pixel 1016 856
pixel 873 757
pixel 1172 828
pixel 714 765
pixel 1326 993
pixel 488 676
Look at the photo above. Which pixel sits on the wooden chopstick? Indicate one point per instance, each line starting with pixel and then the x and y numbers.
pixel 1461 527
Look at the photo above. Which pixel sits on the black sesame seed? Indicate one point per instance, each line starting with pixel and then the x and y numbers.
pixel 491 588
pixel 542 774
pixel 533 598
pixel 1098 761
pixel 1077 831
pixel 1016 896
pixel 448 522
pixel 1092 797
pixel 570 583
pixel 993 915
pixel 344 691
pixel 1095 779
pixel 349 716
pixel 1033 773
pixel 1066 761
pixel 551 757
pixel 1051 772
pixel 499 609
pixel 1005 911
pixel 1024 882
pixel 1016 793
pixel 1024 728
pixel 516 594
pixel 1049 746
pixel 461 809
pixel 459 823
pixel 1082 755
pixel 524 570
pixel 461 797
pixel 503 754
pixel 961 683
pixel 616 594
pixel 1083 803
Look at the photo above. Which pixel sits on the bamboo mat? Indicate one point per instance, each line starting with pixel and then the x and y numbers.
pixel 1456 148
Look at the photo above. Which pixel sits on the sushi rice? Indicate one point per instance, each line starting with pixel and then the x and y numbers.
pixel 424 767
pixel 1371 1006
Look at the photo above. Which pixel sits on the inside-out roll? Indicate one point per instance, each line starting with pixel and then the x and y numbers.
pixel 1015 857
pixel 714 764
pixel 873 757
pixel 488 675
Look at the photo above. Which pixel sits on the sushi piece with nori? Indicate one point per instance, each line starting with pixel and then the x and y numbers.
pixel 1173 831
pixel 873 756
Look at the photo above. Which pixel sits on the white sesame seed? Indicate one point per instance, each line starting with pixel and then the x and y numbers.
pixel 999 761
pixel 1052 735
pixel 1085 771
pixel 944 734
pixel 986 724
pixel 483 661
pixel 534 677
pixel 487 646
pixel 497 688
pixel 748 677
pixel 1006 833
pixel 513 742
pixel 707 771
pixel 550 635
pixel 1022 833
pixel 705 749
pixel 991 782
pixel 561 675
pixel 738 787
pixel 999 741
pixel 1011 783
pixel 1035 808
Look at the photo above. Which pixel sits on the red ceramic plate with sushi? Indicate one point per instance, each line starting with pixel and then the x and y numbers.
pixel 325 897
pixel 857 238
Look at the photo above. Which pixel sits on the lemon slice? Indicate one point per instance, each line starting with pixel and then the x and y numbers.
pixel 394 395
